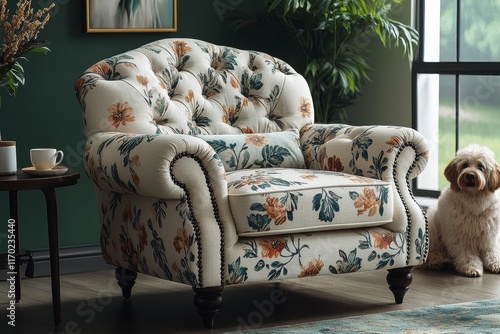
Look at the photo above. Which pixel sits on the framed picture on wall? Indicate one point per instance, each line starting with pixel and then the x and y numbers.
pixel 131 15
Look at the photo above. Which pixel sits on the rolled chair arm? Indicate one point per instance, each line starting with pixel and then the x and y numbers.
pixel 394 154
pixel 370 151
pixel 143 164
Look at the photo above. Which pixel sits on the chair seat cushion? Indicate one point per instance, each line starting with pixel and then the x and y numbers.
pixel 271 201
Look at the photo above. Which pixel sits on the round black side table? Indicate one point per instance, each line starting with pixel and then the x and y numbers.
pixel 47 184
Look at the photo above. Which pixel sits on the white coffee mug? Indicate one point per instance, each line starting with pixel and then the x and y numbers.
pixel 45 158
pixel 8 162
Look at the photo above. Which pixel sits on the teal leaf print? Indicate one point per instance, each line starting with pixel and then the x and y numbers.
pixel 347 264
pixel 250 82
pixel 237 160
pixel 159 208
pixel 260 265
pixel 272 156
pixel 259 222
pixel 237 274
pixel 419 243
pixel 218 145
pixel 290 201
pixel 372 256
pixel 361 145
pixel 383 198
pixel 251 252
pixel 115 175
pixel 386 259
pixel 130 143
pixel 159 251
pixel 257 207
pixel 379 165
pixel 261 180
pixel 327 204
pixel 201 121
pixel 116 199
pixel 210 83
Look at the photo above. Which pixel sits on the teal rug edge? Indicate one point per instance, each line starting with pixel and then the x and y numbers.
pixel 470 317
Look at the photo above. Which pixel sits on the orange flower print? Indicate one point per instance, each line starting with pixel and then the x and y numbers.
pixel 79 85
pixel 309 177
pixel 135 161
pixel 393 143
pixel 92 164
pixel 255 140
pixel 334 164
pixel 313 268
pixel 229 113
pixel 234 83
pixel 382 239
pixel 135 178
pixel 142 236
pixel 190 96
pixel 367 202
pixel 252 180
pixel 181 48
pixel 308 159
pixel 101 68
pixel 305 107
pixel 120 113
pixel 127 213
pixel 175 267
pixel 272 247
pixel 181 240
pixel 143 80
pixel 246 130
pixel 275 210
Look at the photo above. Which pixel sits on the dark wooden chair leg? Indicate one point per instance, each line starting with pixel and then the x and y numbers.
pixel 399 281
pixel 208 301
pixel 126 280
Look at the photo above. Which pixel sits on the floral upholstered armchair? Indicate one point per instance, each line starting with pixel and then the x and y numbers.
pixel 209 171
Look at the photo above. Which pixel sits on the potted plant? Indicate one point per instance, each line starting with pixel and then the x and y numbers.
pixel 19 36
pixel 330 35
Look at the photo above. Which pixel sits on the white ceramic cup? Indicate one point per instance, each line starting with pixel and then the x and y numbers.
pixel 45 158
pixel 8 163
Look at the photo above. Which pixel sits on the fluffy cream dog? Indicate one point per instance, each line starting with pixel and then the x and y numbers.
pixel 464 227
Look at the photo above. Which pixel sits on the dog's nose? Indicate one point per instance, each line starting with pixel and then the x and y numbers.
pixel 469 176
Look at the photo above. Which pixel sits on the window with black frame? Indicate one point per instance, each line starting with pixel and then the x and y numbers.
pixel 456 82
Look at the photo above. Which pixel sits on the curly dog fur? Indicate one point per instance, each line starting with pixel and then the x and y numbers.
pixel 464 226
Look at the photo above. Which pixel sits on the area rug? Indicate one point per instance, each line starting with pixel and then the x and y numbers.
pixel 472 317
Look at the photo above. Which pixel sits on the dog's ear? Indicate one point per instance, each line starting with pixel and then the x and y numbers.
pixel 451 174
pixel 494 178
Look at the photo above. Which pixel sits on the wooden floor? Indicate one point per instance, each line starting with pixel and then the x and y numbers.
pixel 92 302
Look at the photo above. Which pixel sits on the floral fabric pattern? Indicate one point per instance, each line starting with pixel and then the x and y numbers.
pixel 254 150
pixel 278 200
pixel 271 195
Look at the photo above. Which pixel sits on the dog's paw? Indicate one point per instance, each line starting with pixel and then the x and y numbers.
pixel 493 266
pixel 471 271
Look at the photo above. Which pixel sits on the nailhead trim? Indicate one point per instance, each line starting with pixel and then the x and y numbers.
pixel 192 218
pixel 407 210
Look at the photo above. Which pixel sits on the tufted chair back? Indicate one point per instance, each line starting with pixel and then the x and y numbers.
pixel 187 86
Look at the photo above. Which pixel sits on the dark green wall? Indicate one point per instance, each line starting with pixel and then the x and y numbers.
pixel 46 112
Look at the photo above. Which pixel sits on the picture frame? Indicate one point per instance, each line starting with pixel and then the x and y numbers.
pixel 124 16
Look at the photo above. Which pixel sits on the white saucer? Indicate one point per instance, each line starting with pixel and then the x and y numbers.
pixel 58 170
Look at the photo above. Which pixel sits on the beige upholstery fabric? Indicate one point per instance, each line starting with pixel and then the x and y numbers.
pixel 167 205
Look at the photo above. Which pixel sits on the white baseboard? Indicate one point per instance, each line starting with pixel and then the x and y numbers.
pixel 71 260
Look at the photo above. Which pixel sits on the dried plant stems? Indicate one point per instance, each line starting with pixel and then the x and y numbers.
pixel 21 31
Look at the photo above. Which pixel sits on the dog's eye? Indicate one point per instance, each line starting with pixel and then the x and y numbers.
pixel 480 167
pixel 465 165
